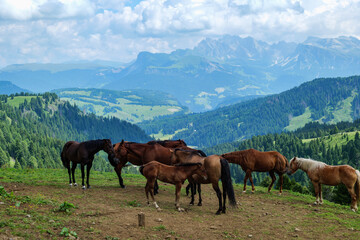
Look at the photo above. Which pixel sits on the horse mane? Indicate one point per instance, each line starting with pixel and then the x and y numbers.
pixel 93 143
pixel 188 164
pixel 309 164
pixel 190 152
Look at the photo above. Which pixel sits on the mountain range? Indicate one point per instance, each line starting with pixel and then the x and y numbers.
pixel 214 72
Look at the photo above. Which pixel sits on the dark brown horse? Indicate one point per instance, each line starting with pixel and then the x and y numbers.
pixel 253 160
pixel 170 174
pixel 83 153
pixel 216 168
pixel 139 154
pixel 321 173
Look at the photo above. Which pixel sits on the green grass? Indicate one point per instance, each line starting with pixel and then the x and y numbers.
pixel 16 101
pixel 299 121
pixel 339 139
pixel 343 110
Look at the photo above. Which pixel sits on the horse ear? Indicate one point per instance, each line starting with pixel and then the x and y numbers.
pixel 171 150
pixel 122 142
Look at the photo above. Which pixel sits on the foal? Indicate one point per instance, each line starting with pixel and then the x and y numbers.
pixel 170 174
pixel 321 173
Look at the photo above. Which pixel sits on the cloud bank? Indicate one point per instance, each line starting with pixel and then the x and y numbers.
pixel 68 30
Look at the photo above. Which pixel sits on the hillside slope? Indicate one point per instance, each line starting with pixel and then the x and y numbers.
pixel 33 130
pixel 8 88
pixel 324 100
pixel 130 105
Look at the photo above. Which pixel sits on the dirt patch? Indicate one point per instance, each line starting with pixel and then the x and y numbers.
pixel 112 213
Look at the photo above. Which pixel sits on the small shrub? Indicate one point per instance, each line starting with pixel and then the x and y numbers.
pixel 65 207
pixel 3 192
pixel 133 203
pixel 159 228
pixel 67 233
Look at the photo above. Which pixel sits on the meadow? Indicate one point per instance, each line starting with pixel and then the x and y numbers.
pixel 39 204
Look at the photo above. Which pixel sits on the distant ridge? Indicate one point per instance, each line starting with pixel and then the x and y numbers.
pixel 7 87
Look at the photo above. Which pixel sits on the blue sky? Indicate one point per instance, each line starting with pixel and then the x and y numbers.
pixel 54 31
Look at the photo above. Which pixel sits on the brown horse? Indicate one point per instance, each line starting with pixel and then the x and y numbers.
pixel 253 160
pixel 216 168
pixel 321 173
pixel 83 153
pixel 139 154
pixel 170 174
pixel 182 145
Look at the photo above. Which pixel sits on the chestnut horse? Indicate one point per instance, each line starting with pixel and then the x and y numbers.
pixel 170 174
pixel 253 160
pixel 83 153
pixel 321 173
pixel 139 154
pixel 216 168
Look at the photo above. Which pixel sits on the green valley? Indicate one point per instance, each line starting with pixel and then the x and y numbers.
pixel 130 105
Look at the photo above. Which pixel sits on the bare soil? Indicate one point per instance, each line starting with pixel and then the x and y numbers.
pixel 108 212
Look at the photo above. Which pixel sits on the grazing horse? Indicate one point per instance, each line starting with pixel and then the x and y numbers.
pixel 83 153
pixel 139 154
pixel 321 173
pixel 216 168
pixel 182 145
pixel 253 160
pixel 170 174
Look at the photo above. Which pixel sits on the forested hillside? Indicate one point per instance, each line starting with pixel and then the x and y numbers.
pixel 34 128
pixel 334 144
pixel 327 100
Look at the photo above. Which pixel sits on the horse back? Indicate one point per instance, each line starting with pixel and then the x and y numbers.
pixel 334 175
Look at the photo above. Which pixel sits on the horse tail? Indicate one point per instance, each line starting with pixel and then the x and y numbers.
pixel 226 181
pixel 357 186
pixel 141 169
pixel 63 153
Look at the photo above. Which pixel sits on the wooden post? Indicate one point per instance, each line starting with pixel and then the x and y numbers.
pixel 141 219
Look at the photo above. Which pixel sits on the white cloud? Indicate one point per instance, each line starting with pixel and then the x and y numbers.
pixel 63 30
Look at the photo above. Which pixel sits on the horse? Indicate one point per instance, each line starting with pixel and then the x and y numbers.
pixel 253 160
pixel 170 174
pixel 216 168
pixel 139 154
pixel 83 153
pixel 321 173
pixel 182 145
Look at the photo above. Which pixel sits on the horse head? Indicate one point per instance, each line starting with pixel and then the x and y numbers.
pixel 293 166
pixel 109 149
pixel 201 171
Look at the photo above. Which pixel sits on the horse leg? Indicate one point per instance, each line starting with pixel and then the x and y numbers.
pixel 69 172
pixel 73 172
pixel 281 183
pixel 118 169
pixel 320 195
pixel 83 175
pixel 252 183
pixel 156 188
pixel 188 188
pixel 177 197
pixel 150 186
pixel 88 167
pixel 218 194
pixel 316 189
pixel 199 191
pixel 192 189
pixel 351 190
pixel 273 179
pixel 224 199
pixel 248 172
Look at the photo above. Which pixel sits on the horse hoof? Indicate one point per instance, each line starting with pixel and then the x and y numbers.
pixel 199 204
pixel 244 191
pixel 159 209
pixel 75 184
pixel 254 192
pixel 122 186
pixel 316 203
pixel 83 187
pixel 191 204
pixel 353 209
pixel 70 184
pixel 218 213
pixel 279 194
pixel 181 209
pixel 89 187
